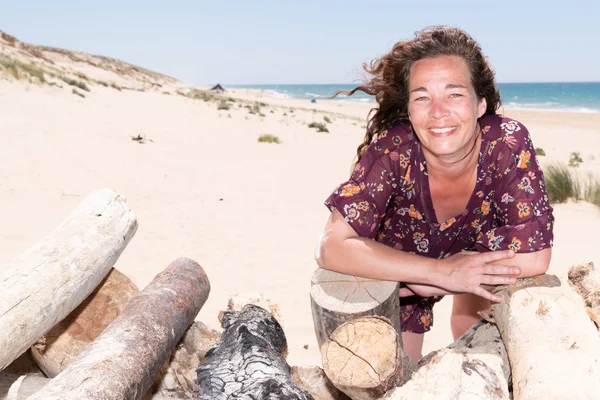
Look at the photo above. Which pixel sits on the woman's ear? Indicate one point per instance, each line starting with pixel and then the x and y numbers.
pixel 481 107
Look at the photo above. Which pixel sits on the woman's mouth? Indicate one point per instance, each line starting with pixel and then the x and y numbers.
pixel 441 132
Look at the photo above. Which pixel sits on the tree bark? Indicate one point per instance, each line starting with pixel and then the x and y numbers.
pixel 474 367
pixel 364 358
pixel 43 285
pixel 336 298
pixel 585 281
pixel 249 360
pixel 553 347
pixel 124 360
pixel 54 351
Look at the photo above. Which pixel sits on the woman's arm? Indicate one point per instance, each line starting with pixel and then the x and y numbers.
pixel 531 264
pixel 342 250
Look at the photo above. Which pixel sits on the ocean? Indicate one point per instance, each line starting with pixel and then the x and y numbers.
pixel 579 96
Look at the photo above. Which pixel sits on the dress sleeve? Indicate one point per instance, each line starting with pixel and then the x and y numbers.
pixel 363 199
pixel 524 219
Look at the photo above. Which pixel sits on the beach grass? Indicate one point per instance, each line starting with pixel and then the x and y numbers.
pixel 268 138
pixel 561 184
pixel 575 159
pixel 591 190
pixel 19 69
pixel 319 126
pixel 223 105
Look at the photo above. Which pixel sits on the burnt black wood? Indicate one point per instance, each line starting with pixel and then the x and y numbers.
pixel 248 362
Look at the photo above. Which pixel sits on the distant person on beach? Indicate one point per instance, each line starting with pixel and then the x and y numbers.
pixel 446 196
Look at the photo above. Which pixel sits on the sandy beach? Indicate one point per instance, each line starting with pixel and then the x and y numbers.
pixel 203 187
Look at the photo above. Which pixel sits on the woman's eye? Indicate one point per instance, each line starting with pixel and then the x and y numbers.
pixel 422 98
pixel 455 95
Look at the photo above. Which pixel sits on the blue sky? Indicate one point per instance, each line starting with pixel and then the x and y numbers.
pixel 278 42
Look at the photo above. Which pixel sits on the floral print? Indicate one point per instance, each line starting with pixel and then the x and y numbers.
pixel 388 199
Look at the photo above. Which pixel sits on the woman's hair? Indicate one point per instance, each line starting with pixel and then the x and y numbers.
pixel 390 73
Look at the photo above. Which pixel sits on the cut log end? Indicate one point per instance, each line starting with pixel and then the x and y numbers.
pixel 364 358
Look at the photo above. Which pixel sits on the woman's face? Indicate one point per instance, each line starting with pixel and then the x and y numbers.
pixel 443 106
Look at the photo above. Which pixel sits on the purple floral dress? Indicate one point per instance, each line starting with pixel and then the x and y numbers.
pixel 388 200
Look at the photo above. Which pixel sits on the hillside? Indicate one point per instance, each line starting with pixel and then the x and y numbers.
pixel 74 70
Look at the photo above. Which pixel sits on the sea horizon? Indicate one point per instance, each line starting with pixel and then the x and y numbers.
pixel 558 96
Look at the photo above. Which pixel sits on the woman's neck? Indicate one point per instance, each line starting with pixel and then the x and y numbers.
pixel 458 166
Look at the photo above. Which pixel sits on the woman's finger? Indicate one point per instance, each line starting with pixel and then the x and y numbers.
pixel 498 280
pixel 492 256
pixel 500 270
pixel 479 291
pixel 406 292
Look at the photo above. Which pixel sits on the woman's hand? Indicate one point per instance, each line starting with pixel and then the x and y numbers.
pixel 468 271
pixel 418 289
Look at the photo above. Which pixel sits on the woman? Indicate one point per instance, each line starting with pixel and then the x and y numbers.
pixel 446 197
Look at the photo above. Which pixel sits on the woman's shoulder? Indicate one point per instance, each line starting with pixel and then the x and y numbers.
pixel 504 134
pixel 394 138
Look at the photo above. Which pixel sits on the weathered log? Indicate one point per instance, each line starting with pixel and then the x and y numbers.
pixel 43 285
pixel 178 374
pixel 249 360
pixel 21 387
pixel 336 298
pixel 54 351
pixel 585 280
pixel 364 358
pixel 124 360
pixel 553 347
pixel 475 366
pixel 314 381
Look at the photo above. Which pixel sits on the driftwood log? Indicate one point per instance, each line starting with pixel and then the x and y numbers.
pixel 54 351
pixel 553 347
pixel 336 298
pixel 364 358
pixel 178 374
pixel 314 381
pixel 585 281
pixel 43 285
pixel 21 387
pixel 475 366
pixel 124 360
pixel 249 361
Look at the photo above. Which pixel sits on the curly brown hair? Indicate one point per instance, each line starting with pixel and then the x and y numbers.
pixel 390 73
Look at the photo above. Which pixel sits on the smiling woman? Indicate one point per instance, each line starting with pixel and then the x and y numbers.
pixel 446 196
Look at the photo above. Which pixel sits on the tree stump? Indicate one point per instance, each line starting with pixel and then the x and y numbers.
pixel 47 282
pixel 585 281
pixel 336 298
pixel 474 367
pixel 249 360
pixel 553 347
pixel 124 360
pixel 364 358
pixel 54 351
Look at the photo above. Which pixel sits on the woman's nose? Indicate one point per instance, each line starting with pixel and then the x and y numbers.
pixel 439 108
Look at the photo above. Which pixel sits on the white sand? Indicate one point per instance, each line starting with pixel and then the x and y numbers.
pixel 248 212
